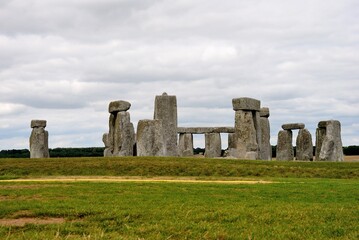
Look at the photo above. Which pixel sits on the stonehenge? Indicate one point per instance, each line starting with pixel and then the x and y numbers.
pixel 39 146
pixel 249 138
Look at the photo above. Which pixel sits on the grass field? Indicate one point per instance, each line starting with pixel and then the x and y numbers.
pixel 296 200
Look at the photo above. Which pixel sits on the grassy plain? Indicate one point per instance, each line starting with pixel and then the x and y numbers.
pixel 304 200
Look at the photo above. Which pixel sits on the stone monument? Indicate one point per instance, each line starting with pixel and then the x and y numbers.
pixel 150 139
pixel 265 150
pixel 329 142
pixel 39 147
pixel 247 128
pixel 166 110
pixel 121 137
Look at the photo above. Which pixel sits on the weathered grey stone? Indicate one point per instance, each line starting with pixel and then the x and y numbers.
pixel 38 123
pixel 127 140
pixel 265 152
pixel 121 121
pixel 118 106
pixel 39 143
pixel 166 110
pixel 202 130
pixel 150 140
pixel 320 135
pixel 284 145
pixel 332 148
pixel 264 112
pixel 304 144
pixel 185 144
pixel 322 124
pixel 246 125
pixel 213 145
pixel 292 126
pixel 245 103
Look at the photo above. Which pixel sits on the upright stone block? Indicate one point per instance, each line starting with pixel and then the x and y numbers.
pixel 246 135
pixel 150 140
pixel 185 144
pixel 265 148
pixel 304 145
pixel 213 145
pixel 331 146
pixel 121 137
pixel 39 138
pixel 284 145
pixel 166 110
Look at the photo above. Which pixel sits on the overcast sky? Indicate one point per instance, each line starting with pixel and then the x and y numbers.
pixel 65 60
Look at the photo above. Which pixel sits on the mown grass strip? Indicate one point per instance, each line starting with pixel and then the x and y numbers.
pixel 324 209
pixel 165 166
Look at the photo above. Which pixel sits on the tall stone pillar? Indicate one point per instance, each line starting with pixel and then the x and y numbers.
pixel 304 146
pixel 185 144
pixel 329 141
pixel 247 128
pixel 265 148
pixel 150 140
pixel 213 145
pixel 121 137
pixel 284 149
pixel 39 146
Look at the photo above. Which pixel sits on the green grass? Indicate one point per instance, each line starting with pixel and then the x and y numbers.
pixel 308 200
pixel 152 166
pixel 320 209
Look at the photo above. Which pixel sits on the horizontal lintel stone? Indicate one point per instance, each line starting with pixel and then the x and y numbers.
pixel 245 103
pixel 203 130
pixel 264 112
pixel 38 123
pixel 291 126
pixel 118 106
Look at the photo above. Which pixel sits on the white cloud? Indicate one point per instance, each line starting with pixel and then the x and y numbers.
pixel 64 61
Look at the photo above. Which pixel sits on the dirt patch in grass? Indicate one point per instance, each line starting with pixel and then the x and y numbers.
pixel 20 222
pixel 137 179
pixel 351 158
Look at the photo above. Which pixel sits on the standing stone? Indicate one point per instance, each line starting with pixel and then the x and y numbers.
pixel 265 148
pixel 284 145
pixel 331 145
pixel 304 145
pixel 39 138
pixel 320 135
pixel 247 128
pixel 166 110
pixel 120 139
pixel 185 144
pixel 212 145
pixel 150 140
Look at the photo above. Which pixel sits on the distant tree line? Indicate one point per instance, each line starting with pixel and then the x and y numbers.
pixel 56 152
pixel 98 152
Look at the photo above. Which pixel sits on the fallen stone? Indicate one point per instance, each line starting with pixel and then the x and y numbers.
pixel 38 123
pixel 292 126
pixel 118 106
pixel 244 103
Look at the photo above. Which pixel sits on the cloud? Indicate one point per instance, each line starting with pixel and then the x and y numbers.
pixel 64 61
